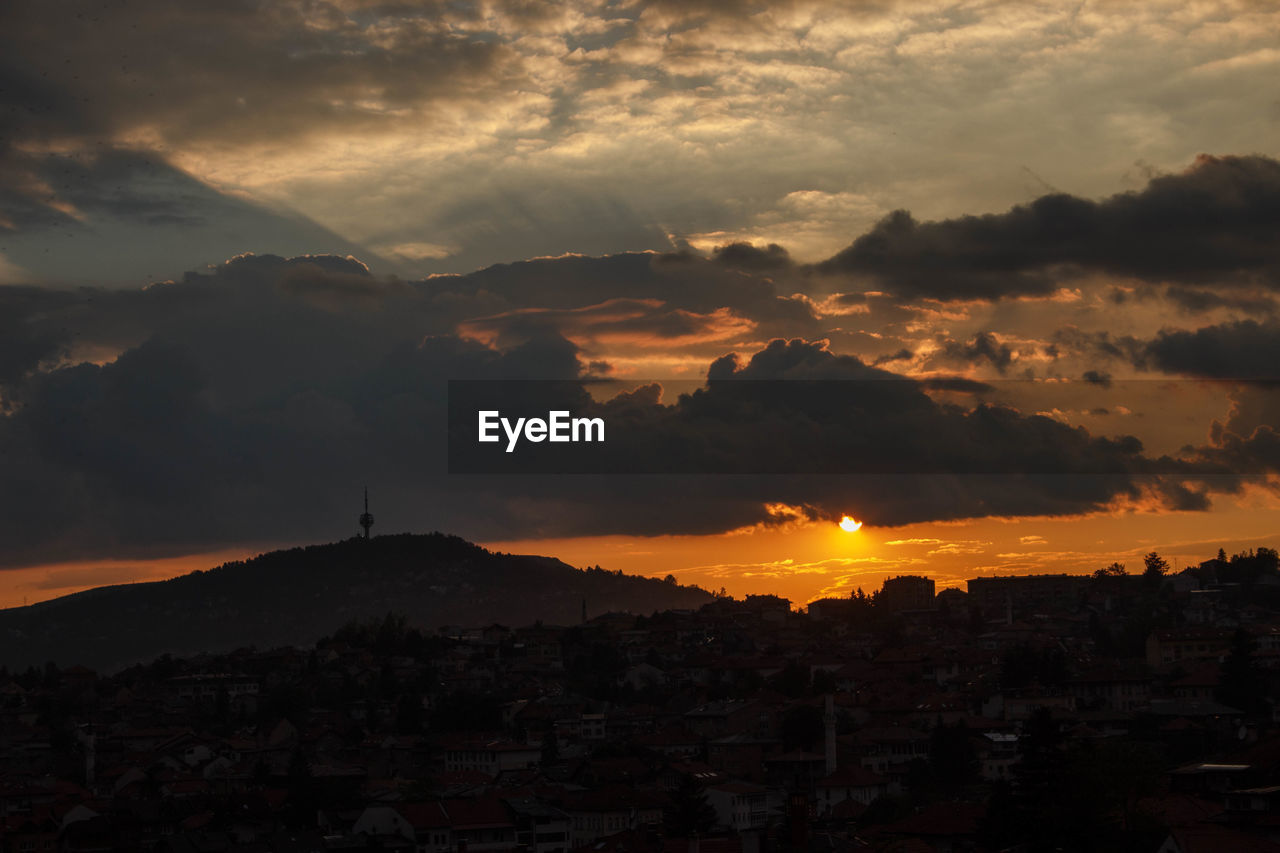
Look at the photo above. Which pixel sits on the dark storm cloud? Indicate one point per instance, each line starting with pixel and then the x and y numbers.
pixel 648 298
pixel 1072 340
pixel 92 94
pixel 982 347
pixel 1249 437
pixel 251 402
pixel 1214 224
pixel 903 354
pixel 294 68
pixel 25 344
pixel 1245 350
pixel 751 257
pixel 955 384
pixel 124 186
pixel 561 291
pixel 66 191
pixel 246 410
pixel 620 322
pixel 835 413
pixel 1198 300
pixel 1241 350
pixel 783 410
pixel 1256 450
pixel 572 282
pixel 114 216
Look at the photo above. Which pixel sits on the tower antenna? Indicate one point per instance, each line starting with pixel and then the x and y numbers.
pixel 366 518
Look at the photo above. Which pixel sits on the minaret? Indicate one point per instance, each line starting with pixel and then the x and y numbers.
pixel 366 519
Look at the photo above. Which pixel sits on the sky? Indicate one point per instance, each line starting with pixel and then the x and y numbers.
pixel 244 246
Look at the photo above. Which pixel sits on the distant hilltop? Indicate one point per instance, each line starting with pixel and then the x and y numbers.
pixel 296 596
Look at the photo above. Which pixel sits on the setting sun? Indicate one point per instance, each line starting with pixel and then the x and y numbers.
pixel 849 525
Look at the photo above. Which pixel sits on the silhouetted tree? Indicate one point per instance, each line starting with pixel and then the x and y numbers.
pixel 1241 682
pixel 1156 568
pixel 1115 570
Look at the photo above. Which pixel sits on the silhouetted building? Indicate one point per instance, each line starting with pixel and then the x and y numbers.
pixel 831 608
pixel 907 592
pixel 1026 592
pixel 1173 645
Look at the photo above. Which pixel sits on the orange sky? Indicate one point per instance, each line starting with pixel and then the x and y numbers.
pixel 808 561
pixel 436 141
pixel 819 560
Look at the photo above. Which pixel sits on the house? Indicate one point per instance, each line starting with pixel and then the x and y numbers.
pixel 740 806
pixel 540 828
pixel 796 770
pixel 880 748
pixel 850 783
pixel 596 813
pixel 1170 645
pixel 730 716
pixel 741 756
pixel 997 754
pixel 1111 688
pixel 1201 683
pixel 493 757
pixel 480 824
pixel 438 827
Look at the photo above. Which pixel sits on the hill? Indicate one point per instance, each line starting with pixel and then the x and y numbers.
pixel 296 596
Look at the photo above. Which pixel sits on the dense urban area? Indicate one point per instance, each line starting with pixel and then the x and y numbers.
pixel 1131 710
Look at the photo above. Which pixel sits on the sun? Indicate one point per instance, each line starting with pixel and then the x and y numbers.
pixel 849 525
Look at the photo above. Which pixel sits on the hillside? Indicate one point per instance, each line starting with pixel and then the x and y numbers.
pixel 298 595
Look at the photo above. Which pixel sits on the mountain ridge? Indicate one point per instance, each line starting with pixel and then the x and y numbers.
pixel 294 596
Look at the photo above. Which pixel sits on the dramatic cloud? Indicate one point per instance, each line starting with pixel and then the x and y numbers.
pixel 1241 350
pixel 983 347
pixel 616 323
pixel 251 403
pixel 1216 223
pixel 155 70
pixel 124 218
pixel 424 130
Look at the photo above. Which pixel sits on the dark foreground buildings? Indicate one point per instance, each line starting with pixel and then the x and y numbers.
pixel 1050 713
